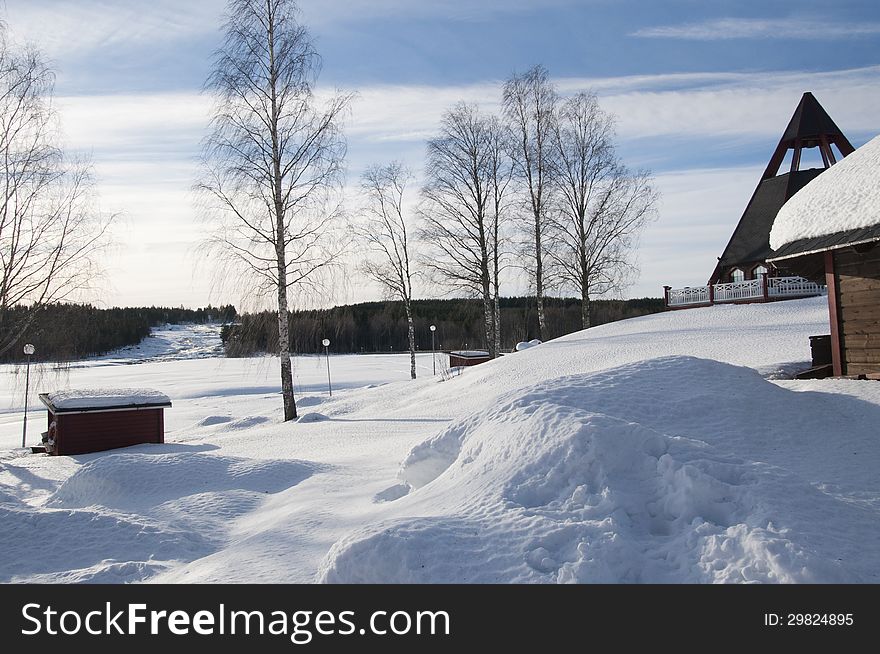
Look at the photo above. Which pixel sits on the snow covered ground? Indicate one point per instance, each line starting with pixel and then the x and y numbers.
pixel 668 448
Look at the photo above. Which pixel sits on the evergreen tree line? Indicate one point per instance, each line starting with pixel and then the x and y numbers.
pixel 382 326
pixel 67 332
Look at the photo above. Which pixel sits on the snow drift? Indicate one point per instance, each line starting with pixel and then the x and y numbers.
pixel 651 472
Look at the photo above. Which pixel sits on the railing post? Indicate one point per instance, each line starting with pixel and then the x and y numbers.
pixel 711 293
pixel 764 287
pixel 666 290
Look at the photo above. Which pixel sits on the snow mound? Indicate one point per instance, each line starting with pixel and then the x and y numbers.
pixel 312 417
pixel 210 421
pixel 133 481
pixel 525 345
pixel 244 423
pixel 91 546
pixel 127 517
pixel 579 480
pixel 844 197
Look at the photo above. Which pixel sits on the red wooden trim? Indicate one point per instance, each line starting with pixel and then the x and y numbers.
pixel 711 294
pixel 765 287
pixel 833 314
pixel 666 290
pixel 161 425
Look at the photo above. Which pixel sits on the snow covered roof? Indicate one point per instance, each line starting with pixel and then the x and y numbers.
pixel 846 198
pixel 98 399
pixel 476 354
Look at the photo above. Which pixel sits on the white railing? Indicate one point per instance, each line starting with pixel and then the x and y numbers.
pixel 765 288
pixel 679 297
pixel 733 291
pixel 792 286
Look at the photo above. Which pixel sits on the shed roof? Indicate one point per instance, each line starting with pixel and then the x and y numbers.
pixel 804 246
pixel 470 354
pixel 104 399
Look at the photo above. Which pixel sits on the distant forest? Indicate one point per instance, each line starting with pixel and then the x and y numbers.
pixel 67 332
pixel 381 326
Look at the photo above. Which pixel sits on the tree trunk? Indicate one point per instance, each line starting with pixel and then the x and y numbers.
pixel 488 316
pixel 497 322
pixel 585 307
pixel 412 340
pixel 284 345
pixel 539 283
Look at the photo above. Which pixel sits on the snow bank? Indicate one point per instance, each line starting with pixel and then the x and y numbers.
pixel 525 345
pixel 106 398
pixel 129 516
pixel 844 197
pixel 652 472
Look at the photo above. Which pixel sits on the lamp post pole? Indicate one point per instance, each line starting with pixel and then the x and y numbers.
pixel 326 343
pixel 433 353
pixel 28 350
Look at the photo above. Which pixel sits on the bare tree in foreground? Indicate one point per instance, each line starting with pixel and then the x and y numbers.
pixel 530 109
pixel 457 208
pixel 602 207
pixel 51 233
pixel 274 158
pixel 383 229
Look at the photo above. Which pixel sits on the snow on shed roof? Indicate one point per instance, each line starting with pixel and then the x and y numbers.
pixel 475 354
pixel 96 399
pixel 845 198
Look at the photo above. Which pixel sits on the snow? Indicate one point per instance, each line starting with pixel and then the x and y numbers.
pixel 105 398
pixel 171 343
pixel 525 345
pixel 844 197
pixel 470 353
pixel 667 448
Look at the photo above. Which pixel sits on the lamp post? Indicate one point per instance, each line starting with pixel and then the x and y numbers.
pixel 326 343
pixel 433 354
pixel 28 350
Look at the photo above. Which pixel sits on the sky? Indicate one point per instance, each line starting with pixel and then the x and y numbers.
pixel 701 92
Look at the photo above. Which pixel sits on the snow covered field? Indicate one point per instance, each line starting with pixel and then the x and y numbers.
pixel 668 448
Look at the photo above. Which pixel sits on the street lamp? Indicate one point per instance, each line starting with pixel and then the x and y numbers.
pixel 433 329
pixel 28 350
pixel 326 344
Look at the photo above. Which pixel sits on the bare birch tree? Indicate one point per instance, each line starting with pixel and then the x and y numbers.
pixel 602 207
pixel 530 102
pixel 274 158
pixel 500 173
pixel 51 232
pixel 457 208
pixel 384 231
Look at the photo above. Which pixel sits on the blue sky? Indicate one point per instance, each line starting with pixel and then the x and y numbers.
pixel 702 91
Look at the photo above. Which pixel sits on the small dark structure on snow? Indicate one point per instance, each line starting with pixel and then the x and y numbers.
pixel 92 421
pixel 467 358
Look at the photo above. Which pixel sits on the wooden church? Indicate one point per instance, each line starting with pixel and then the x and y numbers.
pixel 746 255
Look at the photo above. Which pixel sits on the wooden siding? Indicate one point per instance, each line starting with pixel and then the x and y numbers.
pixel 858 293
pixel 79 433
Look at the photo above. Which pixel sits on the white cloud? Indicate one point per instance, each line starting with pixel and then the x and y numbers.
pixel 735 105
pixel 62 28
pixel 760 28
pixel 144 148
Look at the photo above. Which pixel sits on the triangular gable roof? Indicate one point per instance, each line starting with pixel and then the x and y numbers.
pixel 810 126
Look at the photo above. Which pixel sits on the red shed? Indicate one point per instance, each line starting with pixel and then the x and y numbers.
pixel 467 358
pixel 103 419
